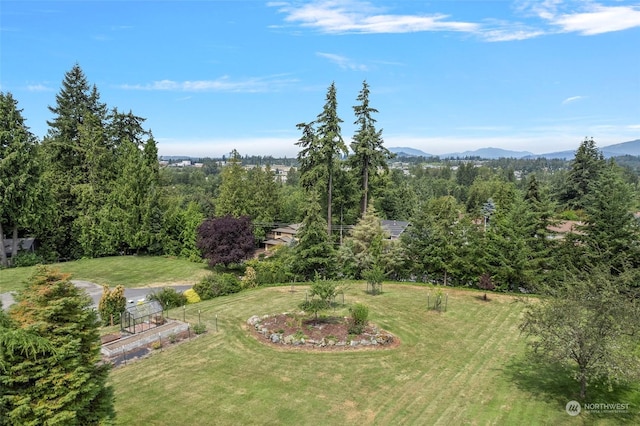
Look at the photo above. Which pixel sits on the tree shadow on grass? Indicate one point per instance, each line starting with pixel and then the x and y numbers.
pixel 555 383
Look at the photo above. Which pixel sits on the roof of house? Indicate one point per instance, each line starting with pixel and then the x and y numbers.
pixel 394 227
pixel 289 229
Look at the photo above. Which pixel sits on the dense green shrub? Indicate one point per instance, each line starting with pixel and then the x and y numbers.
pixel 275 269
pixel 359 318
pixel 112 304
pixel 169 298
pixel 215 285
pixel 199 328
pixel 27 258
pixel 249 279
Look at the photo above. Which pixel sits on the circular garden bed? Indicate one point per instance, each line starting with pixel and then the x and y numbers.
pixel 296 330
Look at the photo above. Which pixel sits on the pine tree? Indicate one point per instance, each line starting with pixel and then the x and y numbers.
pixel 508 247
pixel 313 253
pixel 19 174
pixel 431 241
pixel 321 150
pixel 586 168
pixel 233 195
pixel 367 239
pixel 611 231
pixel 67 385
pixel 369 154
pixel 79 118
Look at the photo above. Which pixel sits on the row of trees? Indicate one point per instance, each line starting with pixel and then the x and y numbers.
pixel 91 187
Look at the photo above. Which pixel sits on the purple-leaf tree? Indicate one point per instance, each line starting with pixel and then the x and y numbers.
pixel 226 240
pixel 486 284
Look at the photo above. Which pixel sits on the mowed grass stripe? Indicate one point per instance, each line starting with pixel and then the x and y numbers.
pixel 229 377
pixel 445 380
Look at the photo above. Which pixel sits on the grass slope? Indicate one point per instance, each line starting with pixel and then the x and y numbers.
pixel 129 271
pixel 465 366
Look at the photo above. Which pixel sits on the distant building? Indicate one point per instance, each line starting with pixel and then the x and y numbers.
pixel 284 235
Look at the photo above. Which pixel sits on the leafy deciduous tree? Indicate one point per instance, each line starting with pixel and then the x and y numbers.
pixel 226 240
pixel 589 325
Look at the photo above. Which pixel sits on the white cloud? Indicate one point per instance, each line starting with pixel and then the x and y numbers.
pixel 600 19
pixel 38 88
pixel 222 84
pixel 337 17
pixel 355 16
pixel 572 99
pixel 342 61
pixel 587 17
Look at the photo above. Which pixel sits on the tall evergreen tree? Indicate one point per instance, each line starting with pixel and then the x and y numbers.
pixel 369 154
pixel 79 117
pixel 431 241
pixel 611 232
pixel 233 195
pixel 67 386
pixel 509 246
pixel 19 174
pixel 586 168
pixel 322 149
pixel 313 253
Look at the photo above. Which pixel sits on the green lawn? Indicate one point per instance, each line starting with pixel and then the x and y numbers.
pixel 464 366
pixel 129 271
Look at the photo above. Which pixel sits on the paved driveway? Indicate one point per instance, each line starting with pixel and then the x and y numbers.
pixel 95 292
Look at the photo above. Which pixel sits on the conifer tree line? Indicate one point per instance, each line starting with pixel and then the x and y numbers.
pixel 92 187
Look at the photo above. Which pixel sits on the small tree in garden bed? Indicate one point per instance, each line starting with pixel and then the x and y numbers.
pixel 322 295
pixel 359 318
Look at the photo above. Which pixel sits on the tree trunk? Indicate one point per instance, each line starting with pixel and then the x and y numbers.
pixel 3 254
pixel 330 188
pixel 14 244
pixel 365 191
pixel 583 384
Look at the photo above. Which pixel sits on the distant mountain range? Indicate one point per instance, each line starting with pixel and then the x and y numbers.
pixel 617 150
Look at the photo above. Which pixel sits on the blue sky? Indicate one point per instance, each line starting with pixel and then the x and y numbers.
pixel 446 76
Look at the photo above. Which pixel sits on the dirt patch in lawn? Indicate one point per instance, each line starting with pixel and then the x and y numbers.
pixel 326 333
